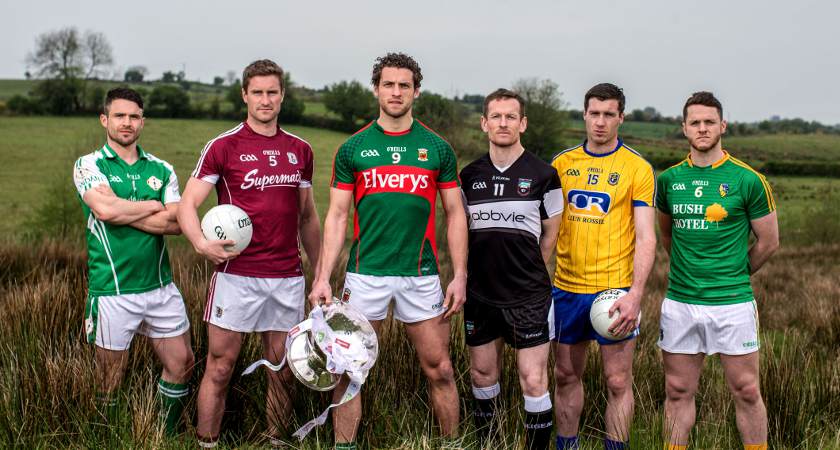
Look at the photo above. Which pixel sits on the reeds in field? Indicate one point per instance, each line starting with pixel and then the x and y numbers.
pixel 47 389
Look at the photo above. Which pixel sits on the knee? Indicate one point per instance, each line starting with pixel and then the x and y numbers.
pixel 483 376
pixel 534 384
pixel 564 376
pixel 676 390
pixel 748 393
pixel 187 363
pixel 440 372
pixel 619 384
pixel 219 370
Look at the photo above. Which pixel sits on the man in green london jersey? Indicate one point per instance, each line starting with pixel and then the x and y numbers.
pixel 392 171
pixel 708 204
pixel 130 199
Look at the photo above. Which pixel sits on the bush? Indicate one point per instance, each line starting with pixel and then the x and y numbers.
pixel 24 106
pixel 351 101
pixel 168 101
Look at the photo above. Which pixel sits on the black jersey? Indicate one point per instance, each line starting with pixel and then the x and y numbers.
pixel 505 209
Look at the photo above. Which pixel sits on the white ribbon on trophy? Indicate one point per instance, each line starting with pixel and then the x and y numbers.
pixel 346 352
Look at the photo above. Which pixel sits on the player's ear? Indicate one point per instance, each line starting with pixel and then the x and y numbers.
pixel 523 124
pixel 416 93
pixel 103 119
pixel 723 125
pixel 483 123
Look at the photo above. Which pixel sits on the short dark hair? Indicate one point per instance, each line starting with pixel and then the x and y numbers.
pixel 704 98
pixel 123 93
pixel 262 68
pixel 605 91
pixel 500 94
pixel 400 61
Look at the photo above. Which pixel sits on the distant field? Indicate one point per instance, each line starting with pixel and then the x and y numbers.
pixel 10 88
pixel 37 154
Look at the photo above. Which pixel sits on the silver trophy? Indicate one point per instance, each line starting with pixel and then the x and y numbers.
pixel 334 339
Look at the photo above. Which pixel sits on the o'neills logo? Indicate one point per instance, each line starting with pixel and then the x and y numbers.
pixel 398 181
pixel 267 181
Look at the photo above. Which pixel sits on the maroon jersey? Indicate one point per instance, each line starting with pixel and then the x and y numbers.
pixel 261 175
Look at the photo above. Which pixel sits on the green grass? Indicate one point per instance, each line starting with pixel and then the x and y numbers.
pixel 642 130
pixel 10 88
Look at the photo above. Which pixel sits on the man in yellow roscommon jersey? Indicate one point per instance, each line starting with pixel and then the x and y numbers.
pixel 606 241
pixel 709 204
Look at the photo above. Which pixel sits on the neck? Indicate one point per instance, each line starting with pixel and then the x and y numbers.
pixel 394 124
pixel 264 128
pixel 705 159
pixel 127 153
pixel 505 156
pixel 609 146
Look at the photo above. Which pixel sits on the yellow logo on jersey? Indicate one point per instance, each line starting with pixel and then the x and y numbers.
pixel 716 213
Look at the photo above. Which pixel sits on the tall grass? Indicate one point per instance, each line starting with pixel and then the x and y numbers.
pixel 47 390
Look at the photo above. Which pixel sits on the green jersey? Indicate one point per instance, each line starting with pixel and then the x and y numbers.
pixel 711 208
pixel 395 178
pixel 121 258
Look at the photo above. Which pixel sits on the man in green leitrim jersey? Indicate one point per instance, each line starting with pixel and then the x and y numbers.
pixel 708 204
pixel 130 199
pixel 392 171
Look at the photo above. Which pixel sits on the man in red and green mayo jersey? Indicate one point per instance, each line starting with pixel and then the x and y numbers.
pixel 708 204
pixel 130 199
pixel 391 171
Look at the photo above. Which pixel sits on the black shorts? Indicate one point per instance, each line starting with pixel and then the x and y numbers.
pixel 521 326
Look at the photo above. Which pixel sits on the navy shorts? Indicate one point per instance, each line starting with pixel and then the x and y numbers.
pixel 571 318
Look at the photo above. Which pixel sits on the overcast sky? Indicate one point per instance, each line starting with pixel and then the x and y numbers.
pixel 761 58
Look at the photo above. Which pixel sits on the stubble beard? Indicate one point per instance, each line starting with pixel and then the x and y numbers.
pixel 705 148
pixel 124 142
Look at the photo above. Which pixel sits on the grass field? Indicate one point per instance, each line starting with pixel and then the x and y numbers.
pixel 46 390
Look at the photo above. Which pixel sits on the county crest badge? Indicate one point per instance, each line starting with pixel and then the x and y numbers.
pixel 292 157
pixel 613 179
pixel 422 154
pixel 723 189
pixel 523 188
pixel 154 183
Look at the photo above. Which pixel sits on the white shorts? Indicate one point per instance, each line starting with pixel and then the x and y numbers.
pixel 249 304
pixel 112 320
pixel 415 298
pixel 693 329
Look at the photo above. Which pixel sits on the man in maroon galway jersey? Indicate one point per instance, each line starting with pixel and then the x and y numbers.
pixel 267 172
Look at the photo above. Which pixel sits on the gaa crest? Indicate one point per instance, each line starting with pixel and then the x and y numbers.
pixel 723 189
pixel 613 179
pixel 154 183
pixel 523 187
pixel 422 154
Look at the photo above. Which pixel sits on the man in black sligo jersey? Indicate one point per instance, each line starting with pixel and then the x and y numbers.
pixel 513 200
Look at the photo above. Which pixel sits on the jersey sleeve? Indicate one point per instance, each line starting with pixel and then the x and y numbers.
pixel 759 196
pixel 644 186
pixel 86 175
pixel 552 201
pixel 448 173
pixel 308 167
pixel 210 165
pixel 172 193
pixel 343 176
pixel 661 201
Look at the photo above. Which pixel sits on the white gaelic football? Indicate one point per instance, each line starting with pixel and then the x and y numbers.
pixel 600 316
pixel 228 222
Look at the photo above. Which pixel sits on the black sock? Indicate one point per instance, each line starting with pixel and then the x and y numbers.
pixel 538 428
pixel 484 412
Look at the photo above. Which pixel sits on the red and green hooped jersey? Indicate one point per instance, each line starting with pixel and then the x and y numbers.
pixel 394 178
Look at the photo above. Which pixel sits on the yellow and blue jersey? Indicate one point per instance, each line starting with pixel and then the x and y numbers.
pixel 597 238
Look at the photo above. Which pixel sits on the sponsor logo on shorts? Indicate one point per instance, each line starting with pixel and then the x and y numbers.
pixel 470 327
pixel 661 335
pixel 219 311
pixel 750 344
pixel 247 157
pixel 181 325
pixel 437 306
pixel 533 335
pixel 345 296
pixel 88 326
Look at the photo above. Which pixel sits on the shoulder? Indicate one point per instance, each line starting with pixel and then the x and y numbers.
pixel 744 169
pixel 560 156
pixel 635 157
pixel 89 159
pixel 473 167
pixel 432 136
pixel 296 141
pixel 159 161
pixel 357 138
pixel 226 138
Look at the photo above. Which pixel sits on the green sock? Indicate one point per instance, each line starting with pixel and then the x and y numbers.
pixel 106 403
pixel 173 397
pixel 345 445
